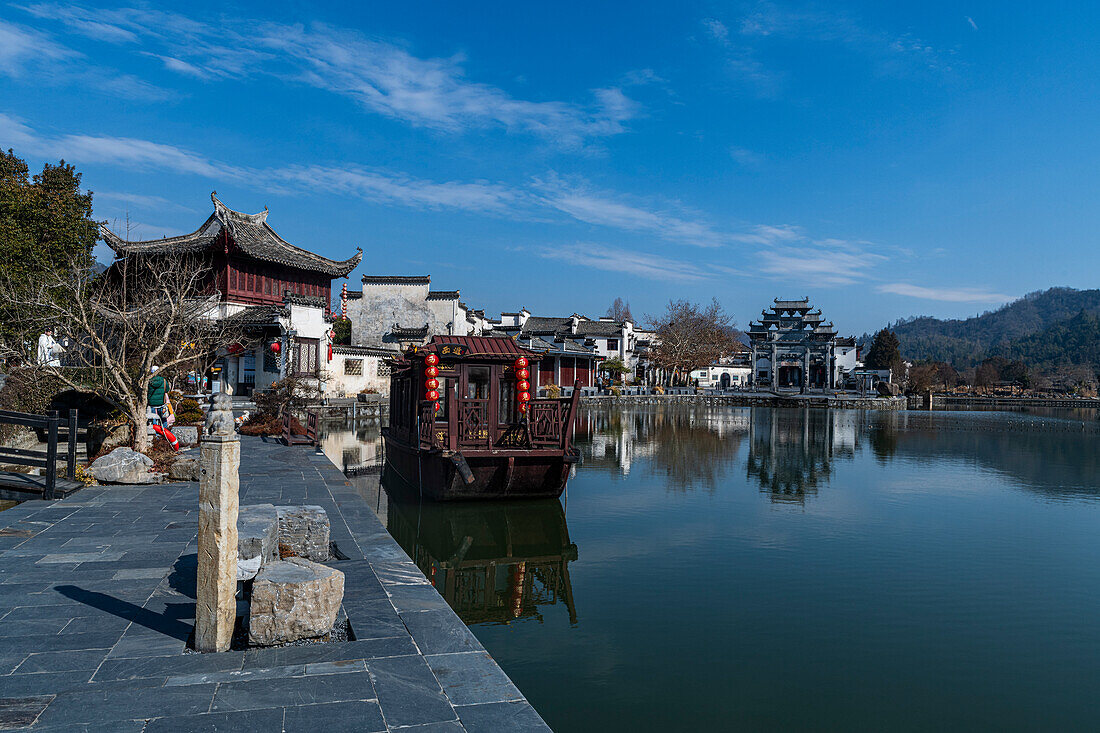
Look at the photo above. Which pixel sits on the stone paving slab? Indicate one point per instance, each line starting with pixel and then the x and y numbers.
pixel 97 604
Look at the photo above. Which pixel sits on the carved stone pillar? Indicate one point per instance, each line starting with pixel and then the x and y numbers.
pixel 219 483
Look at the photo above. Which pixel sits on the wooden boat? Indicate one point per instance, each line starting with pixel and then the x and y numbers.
pixel 463 426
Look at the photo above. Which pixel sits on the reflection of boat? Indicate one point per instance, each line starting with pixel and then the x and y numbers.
pixel 463 424
pixel 493 562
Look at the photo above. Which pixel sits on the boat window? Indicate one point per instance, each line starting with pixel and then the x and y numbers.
pixel 445 387
pixel 477 383
pixel 506 410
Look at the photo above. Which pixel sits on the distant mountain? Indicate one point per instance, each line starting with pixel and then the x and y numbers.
pixel 1073 341
pixel 1021 327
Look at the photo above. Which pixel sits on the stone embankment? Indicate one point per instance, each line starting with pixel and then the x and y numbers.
pixel 755 399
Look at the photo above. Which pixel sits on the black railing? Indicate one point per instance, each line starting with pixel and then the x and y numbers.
pixel 48 459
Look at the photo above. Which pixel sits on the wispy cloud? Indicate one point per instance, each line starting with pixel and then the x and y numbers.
pixel 144 202
pixel 380 76
pixel 22 48
pixel 746 157
pixel 632 262
pixel 716 29
pixel 821 262
pixel 605 209
pixel 950 295
pixel 971 22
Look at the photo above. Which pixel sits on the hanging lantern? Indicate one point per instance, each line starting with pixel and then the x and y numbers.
pixel 523 385
pixel 433 395
pixel 522 374
pixel 331 335
pixel 431 372
pixel 431 359
pixel 275 347
pixel 521 362
pixel 524 396
pixel 330 351
pixel 431 384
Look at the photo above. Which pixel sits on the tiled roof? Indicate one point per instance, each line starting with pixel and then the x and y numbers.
pixel 485 346
pixel 397 279
pixel 599 328
pixel 355 295
pixel 566 346
pixel 442 295
pixel 260 315
pixel 316 301
pixel 350 349
pixel 414 332
pixel 541 324
pixel 249 232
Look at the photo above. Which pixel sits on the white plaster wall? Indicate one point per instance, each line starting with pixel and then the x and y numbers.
pixel 349 385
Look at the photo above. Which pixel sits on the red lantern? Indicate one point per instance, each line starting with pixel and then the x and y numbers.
pixel 433 395
pixel 521 362
pixel 523 407
pixel 524 396
pixel 523 385
pixel 275 347
pixel 431 372
pixel 522 374
pixel 431 384
pixel 431 359
pixel 331 335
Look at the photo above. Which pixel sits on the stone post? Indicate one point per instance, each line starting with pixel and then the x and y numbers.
pixel 219 463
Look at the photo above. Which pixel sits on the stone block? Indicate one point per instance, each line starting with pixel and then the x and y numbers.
pixel 124 466
pixel 304 531
pixel 184 468
pixel 257 539
pixel 187 435
pixel 293 599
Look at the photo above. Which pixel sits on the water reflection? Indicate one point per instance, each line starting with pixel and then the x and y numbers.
pixel 493 562
pixel 690 447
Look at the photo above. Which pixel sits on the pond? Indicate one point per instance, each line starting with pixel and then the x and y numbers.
pixel 767 568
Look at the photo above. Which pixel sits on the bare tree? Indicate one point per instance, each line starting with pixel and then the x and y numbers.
pixel 690 336
pixel 142 312
pixel 620 311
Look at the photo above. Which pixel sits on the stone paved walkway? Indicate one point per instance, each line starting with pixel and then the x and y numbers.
pixel 97 603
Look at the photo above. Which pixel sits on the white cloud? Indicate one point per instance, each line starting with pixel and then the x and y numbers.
pixel 631 262
pixel 605 209
pixel 950 295
pixel 819 264
pixel 380 76
pixel 717 29
pixel 746 157
pixel 22 48
pixel 971 22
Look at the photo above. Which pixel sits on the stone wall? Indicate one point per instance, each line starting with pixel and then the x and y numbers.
pixel 755 400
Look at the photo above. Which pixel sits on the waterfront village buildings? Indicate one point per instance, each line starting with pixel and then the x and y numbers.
pixel 281 295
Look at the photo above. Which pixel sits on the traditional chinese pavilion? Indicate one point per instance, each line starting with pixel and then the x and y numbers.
pixel 792 346
pixel 281 294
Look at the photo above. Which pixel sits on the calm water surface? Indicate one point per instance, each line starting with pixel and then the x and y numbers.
pixel 786 569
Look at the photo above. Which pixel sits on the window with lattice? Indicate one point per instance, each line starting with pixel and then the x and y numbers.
pixel 271 362
pixel 383 369
pixel 353 367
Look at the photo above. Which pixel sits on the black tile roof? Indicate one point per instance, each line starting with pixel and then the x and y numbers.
pixel 249 233
pixel 409 333
pixel 397 279
pixel 442 295
pixel 599 328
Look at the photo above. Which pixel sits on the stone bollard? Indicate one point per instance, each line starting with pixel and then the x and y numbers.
pixel 219 463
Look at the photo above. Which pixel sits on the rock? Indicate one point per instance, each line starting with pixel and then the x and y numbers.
pixel 304 532
pixel 124 466
pixel 257 539
pixel 184 468
pixel 187 435
pixel 293 599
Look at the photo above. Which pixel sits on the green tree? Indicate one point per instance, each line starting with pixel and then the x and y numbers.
pixel 885 352
pixel 45 224
pixel 342 328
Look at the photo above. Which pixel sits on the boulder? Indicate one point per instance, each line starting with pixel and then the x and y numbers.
pixel 304 532
pixel 257 539
pixel 124 466
pixel 184 468
pixel 187 435
pixel 293 599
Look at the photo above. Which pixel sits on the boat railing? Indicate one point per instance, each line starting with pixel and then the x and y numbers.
pixel 473 423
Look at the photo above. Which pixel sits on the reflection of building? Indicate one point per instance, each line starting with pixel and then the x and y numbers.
pixel 792 346
pixel 791 452
pixel 492 562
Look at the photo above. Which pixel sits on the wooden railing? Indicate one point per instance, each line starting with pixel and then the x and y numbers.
pixel 473 423
pixel 545 422
pixel 292 438
pixel 48 459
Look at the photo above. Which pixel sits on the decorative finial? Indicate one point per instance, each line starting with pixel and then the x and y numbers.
pixel 219 421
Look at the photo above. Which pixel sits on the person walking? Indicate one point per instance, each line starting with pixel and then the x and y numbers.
pixel 49 351
pixel 158 396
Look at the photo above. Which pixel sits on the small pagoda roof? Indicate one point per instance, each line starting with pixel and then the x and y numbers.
pixel 492 347
pixel 791 305
pixel 249 232
pixel 412 333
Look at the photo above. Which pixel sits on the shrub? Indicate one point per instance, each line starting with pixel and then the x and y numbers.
pixel 658 389
pixel 553 391
pixel 189 411
pixel 616 392
pixel 263 424
pixel 290 393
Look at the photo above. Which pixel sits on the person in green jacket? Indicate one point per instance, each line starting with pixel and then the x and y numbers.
pixel 158 395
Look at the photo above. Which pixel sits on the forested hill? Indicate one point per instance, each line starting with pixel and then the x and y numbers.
pixel 965 343
pixel 1075 341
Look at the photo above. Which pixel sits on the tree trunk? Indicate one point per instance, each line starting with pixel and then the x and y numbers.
pixel 141 432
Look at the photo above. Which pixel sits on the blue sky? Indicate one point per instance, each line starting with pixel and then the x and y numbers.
pixel 885 159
